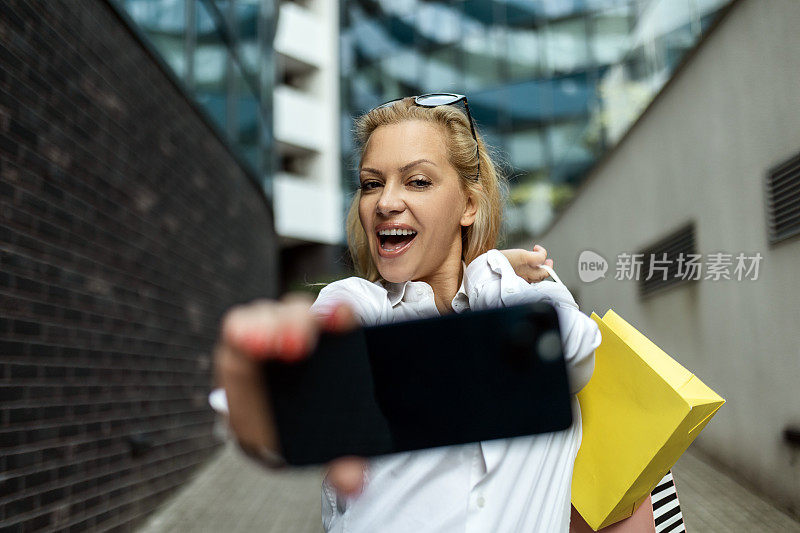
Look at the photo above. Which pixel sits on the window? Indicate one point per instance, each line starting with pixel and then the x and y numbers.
pixel 671 261
pixel 783 200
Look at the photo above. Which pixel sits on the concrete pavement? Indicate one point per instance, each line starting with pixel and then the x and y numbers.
pixel 231 494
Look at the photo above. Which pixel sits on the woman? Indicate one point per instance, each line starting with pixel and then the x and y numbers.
pixel 421 230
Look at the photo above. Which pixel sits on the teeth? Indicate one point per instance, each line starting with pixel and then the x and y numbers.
pixel 397 232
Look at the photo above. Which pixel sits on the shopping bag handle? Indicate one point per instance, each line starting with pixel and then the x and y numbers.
pixel 552 273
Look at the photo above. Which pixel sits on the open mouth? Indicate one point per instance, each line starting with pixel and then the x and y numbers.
pixel 393 242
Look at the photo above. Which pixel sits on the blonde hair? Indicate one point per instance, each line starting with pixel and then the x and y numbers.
pixel 489 190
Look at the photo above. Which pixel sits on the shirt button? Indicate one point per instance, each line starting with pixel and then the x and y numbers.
pixel 420 291
pixel 510 290
pixel 480 501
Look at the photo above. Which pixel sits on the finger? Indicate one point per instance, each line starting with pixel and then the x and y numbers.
pixel 535 258
pixel 249 328
pixel 538 275
pixel 339 319
pixel 297 330
pixel 543 273
pixel 266 329
pixel 346 474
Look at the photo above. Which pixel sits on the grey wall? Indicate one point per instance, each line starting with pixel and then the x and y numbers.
pixel 700 153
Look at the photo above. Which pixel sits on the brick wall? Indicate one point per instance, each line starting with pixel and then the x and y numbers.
pixel 126 229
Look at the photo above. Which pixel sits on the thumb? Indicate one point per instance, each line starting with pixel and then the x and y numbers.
pixel 346 474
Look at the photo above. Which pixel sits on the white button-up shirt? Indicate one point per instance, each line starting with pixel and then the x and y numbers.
pixel 503 485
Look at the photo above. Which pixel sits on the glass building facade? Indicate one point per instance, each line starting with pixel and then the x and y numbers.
pixel 221 50
pixel 552 84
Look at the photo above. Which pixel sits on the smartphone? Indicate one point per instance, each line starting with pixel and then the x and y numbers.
pixel 453 379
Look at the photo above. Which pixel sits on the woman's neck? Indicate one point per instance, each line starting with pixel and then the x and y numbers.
pixel 445 282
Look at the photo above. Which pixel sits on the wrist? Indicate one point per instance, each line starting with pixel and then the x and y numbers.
pixel 263 455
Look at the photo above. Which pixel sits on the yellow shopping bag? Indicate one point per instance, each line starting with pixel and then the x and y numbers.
pixel 640 411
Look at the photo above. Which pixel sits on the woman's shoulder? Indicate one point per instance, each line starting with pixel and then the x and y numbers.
pixel 353 285
pixel 365 297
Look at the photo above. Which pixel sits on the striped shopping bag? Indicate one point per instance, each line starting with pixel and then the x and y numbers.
pixel 666 507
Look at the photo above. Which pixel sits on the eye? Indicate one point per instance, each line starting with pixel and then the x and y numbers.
pixel 369 185
pixel 420 183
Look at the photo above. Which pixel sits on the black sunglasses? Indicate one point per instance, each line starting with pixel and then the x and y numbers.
pixel 437 99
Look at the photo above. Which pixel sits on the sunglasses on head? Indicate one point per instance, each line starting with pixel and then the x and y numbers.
pixel 437 99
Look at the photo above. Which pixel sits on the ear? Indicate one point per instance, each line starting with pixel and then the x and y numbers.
pixel 470 210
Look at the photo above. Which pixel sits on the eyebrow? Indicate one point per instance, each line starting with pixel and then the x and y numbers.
pixel 402 169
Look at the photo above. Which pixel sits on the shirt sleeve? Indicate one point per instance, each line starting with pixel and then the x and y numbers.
pixel 218 400
pixel 493 283
pixel 364 298
pixel 329 504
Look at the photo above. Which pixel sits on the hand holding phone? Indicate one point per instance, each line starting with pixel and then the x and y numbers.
pixel 273 330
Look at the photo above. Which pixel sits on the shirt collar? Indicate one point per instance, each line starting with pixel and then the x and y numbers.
pixel 397 291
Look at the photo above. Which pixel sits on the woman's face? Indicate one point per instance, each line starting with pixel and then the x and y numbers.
pixel 408 186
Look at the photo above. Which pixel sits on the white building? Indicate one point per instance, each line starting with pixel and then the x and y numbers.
pixel 307 190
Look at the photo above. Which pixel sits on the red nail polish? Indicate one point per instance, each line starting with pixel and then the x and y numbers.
pixel 332 319
pixel 294 345
pixel 254 342
pixel 280 342
pixel 289 344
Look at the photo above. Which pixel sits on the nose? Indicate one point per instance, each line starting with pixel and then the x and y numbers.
pixel 390 201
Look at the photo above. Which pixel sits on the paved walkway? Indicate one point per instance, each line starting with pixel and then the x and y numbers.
pixel 711 501
pixel 233 495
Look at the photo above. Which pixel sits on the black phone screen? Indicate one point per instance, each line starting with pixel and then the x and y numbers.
pixel 418 384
